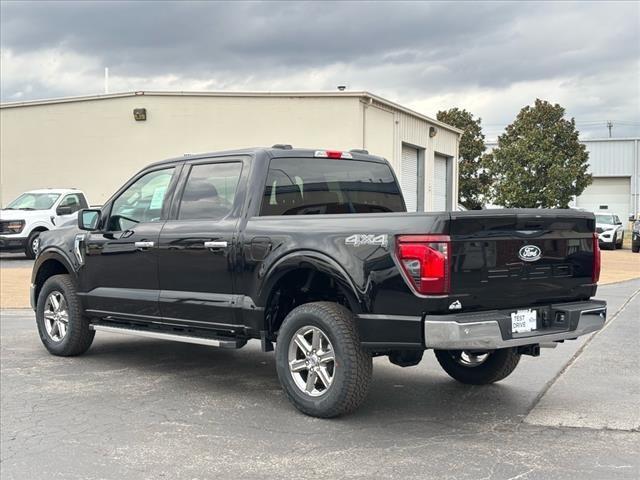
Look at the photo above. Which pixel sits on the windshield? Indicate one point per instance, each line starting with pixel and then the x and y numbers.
pixel 608 219
pixel 34 201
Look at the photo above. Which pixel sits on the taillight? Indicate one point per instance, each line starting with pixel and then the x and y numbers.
pixel 595 274
pixel 425 261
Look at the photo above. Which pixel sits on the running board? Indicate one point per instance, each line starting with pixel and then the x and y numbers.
pixel 211 342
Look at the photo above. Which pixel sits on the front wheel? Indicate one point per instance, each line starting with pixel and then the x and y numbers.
pixel 620 243
pixel 478 368
pixel 63 330
pixel 321 364
pixel 32 245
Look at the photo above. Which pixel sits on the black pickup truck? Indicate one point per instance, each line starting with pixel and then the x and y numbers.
pixel 313 250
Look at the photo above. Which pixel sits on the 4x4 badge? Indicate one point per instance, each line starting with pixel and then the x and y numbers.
pixel 359 239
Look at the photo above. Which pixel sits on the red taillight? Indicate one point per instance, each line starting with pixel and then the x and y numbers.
pixel 595 274
pixel 425 261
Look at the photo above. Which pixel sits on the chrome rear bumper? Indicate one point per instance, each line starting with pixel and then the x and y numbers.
pixel 482 331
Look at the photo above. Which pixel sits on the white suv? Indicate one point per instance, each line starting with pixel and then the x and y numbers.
pixel 34 212
pixel 609 229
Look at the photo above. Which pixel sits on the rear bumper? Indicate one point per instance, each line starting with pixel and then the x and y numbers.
pixel 492 330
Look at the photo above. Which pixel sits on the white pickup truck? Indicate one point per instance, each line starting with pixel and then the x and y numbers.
pixel 34 212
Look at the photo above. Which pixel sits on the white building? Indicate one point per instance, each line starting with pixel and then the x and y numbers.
pixel 96 143
pixel 615 166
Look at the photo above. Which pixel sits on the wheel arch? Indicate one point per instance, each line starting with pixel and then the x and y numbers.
pixel 300 275
pixel 38 228
pixel 47 265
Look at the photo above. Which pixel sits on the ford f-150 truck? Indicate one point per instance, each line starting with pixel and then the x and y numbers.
pixel 313 250
pixel 34 212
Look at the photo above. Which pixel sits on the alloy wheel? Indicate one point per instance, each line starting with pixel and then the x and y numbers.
pixel 56 316
pixel 311 361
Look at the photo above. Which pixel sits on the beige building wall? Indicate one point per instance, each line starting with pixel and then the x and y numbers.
pixel 96 145
pixel 387 128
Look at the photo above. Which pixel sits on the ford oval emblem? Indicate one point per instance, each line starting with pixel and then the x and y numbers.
pixel 530 253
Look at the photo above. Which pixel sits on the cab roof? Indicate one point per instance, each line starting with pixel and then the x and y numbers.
pixel 55 190
pixel 267 153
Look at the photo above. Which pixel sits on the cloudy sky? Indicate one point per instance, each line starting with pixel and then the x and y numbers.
pixel 490 58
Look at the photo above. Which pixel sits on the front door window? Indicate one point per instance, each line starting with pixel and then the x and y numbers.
pixel 142 202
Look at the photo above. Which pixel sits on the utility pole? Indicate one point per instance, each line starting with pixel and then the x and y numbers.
pixel 609 126
pixel 106 80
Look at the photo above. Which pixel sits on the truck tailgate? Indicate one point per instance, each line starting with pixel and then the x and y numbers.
pixel 504 258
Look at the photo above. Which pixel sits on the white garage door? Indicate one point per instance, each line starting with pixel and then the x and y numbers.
pixel 440 184
pixel 409 177
pixel 610 194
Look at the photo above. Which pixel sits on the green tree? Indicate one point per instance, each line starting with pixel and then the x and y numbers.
pixel 473 178
pixel 539 161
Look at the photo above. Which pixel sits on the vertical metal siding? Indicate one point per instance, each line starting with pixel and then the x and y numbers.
pixel 613 158
pixel 415 131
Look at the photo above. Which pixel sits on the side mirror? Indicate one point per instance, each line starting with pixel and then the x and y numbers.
pixel 618 223
pixel 88 219
pixel 64 210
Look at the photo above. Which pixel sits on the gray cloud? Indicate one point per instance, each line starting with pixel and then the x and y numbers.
pixel 420 53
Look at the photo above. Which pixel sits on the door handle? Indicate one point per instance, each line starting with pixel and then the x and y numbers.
pixel 143 245
pixel 222 244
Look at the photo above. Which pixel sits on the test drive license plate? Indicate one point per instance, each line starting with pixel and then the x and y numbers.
pixel 523 321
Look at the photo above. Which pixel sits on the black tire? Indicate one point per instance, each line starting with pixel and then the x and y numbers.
pixel 635 248
pixel 497 366
pixel 353 365
pixel 28 248
pixel 79 336
pixel 619 245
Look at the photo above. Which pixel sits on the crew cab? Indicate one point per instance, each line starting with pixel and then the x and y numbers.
pixel 34 212
pixel 313 250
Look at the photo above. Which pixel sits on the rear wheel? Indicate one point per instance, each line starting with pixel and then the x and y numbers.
pixel 478 368
pixel 321 364
pixel 63 330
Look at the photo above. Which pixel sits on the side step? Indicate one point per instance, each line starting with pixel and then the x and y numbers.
pixel 211 342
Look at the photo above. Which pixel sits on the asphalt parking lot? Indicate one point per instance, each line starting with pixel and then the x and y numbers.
pixel 135 408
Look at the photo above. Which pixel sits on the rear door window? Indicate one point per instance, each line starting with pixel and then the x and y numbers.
pixel 314 186
pixel 210 191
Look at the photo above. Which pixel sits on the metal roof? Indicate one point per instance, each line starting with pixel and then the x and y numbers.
pixel 359 94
